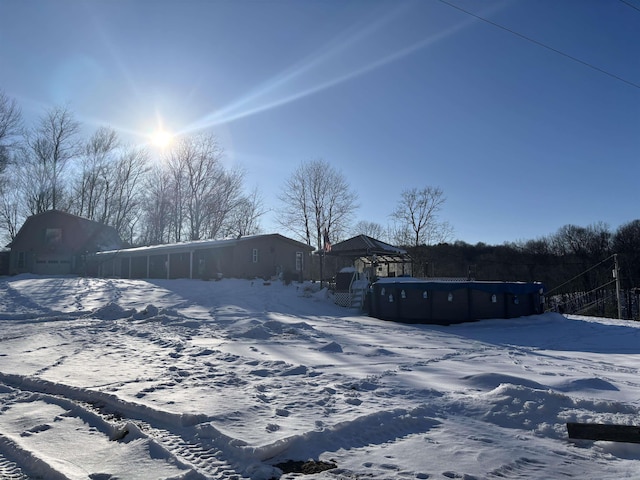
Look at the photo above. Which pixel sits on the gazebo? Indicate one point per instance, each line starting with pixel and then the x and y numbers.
pixel 377 258
pixel 361 260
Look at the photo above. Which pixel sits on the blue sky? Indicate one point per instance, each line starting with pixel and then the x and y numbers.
pixel 395 94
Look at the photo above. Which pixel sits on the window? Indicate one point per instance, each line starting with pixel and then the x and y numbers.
pixel 255 255
pixel 21 259
pixel 299 261
pixel 53 236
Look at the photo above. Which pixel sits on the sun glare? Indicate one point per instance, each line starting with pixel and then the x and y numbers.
pixel 161 138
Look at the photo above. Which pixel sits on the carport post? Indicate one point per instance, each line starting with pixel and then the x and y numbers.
pixel 191 264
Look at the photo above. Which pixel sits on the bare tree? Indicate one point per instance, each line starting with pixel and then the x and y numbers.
pixel 626 242
pixel 593 241
pixel 108 189
pixel 224 200
pixel 244 219
pixel 317 199
pixel 92 187
pixel 10 127
pixel 10 207
pixel 371 229
pixel 124 198
pixel 295 216
pixel 191 195
pixel 205 192
pixel 11 132
pixel 50 147
pixel 400 233
pixel 156 208
pixel 416 217
pixel 33 183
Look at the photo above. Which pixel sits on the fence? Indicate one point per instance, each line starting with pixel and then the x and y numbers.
pixel 603 298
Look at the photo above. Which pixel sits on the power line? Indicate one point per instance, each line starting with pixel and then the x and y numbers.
pixel 629 4
pixel 540 44
pixel 582 273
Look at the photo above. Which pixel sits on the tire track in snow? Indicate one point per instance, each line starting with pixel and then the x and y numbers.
pixel 207 453
pixel 10 470
pixel 207 460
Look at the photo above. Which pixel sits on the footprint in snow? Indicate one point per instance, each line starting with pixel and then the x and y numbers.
pixel 332 347
pixel 37 429
pixel 300 370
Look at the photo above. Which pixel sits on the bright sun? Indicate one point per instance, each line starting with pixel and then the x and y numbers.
pixel 161 138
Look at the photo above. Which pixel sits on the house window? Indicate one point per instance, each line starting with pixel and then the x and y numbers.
pixel 21 262
pixel 298 261
pixel 53 236
pixel 255 255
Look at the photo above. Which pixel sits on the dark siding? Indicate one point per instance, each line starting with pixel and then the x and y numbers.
pixel 56 242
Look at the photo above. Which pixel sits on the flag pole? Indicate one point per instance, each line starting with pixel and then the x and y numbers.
pixel 326 247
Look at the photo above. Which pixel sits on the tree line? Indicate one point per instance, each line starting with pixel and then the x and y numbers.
pixel 188 194
pixel 574 260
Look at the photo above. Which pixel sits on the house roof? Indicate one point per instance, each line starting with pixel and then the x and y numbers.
pixel 199 245
pixel 91 234
pixel 363 246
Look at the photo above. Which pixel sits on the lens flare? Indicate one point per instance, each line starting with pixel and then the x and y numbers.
pixel 161 138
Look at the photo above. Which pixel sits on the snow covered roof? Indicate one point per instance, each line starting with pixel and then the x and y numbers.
pixel 200 245
pixel 365 246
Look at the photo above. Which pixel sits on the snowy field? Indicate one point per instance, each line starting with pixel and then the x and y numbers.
pixel 109 379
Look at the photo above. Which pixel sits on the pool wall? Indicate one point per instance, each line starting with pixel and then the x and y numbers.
pixel 445 303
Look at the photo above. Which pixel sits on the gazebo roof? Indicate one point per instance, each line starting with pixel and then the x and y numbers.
pixel 368 247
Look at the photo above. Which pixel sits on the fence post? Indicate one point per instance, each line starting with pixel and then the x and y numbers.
pixel 616 275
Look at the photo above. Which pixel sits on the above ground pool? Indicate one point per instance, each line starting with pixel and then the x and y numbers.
pixel 413 300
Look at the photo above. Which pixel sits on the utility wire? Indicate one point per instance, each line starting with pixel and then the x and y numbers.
pixel 629 4
pixel 540 44
pixel 582 273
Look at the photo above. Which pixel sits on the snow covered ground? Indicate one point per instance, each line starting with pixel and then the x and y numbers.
pixel 184 379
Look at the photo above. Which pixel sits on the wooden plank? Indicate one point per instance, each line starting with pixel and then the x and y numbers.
pixel 606 432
